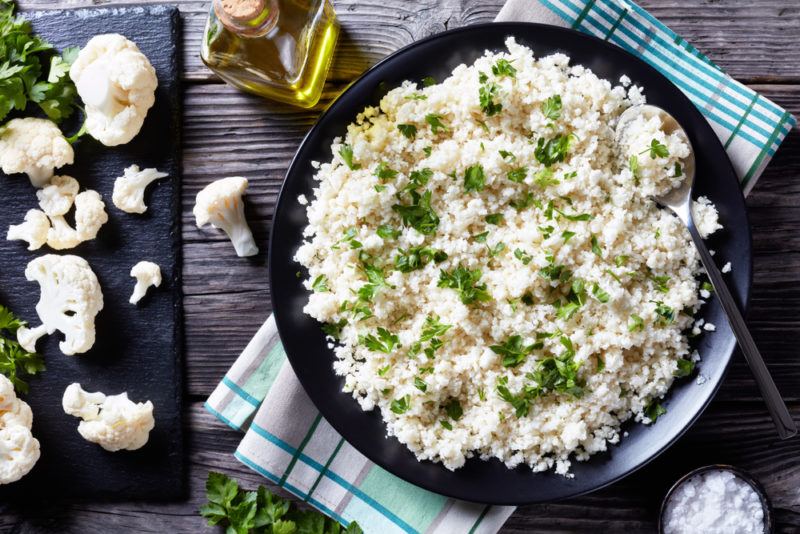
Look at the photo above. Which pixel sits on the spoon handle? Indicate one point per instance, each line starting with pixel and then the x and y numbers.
pixel 772 397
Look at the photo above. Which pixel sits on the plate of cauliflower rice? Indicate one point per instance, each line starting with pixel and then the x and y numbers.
pixel 489 303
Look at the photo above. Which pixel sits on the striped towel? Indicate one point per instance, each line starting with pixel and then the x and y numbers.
pixel 286 439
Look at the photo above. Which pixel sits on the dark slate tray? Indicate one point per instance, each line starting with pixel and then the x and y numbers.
pixel 138 348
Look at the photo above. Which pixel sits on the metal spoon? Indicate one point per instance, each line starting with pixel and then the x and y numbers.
pixel 679 200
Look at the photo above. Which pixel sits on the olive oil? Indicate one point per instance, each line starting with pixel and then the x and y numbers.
pixel 278 49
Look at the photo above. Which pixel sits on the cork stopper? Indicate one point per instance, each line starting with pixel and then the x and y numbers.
pixel 242 10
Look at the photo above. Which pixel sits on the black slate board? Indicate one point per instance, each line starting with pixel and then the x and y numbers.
pixel 138 348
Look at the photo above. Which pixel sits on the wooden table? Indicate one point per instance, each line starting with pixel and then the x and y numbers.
pixel 227 298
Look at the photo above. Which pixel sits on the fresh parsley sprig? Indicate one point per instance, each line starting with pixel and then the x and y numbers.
pixel 260 511
pixel 14 360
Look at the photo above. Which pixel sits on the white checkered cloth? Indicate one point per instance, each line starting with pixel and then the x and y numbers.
pixel 286 439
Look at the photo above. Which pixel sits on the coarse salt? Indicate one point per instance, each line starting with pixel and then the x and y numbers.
pixel 714 502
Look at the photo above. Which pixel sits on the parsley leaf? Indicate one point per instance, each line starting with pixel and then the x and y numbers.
pixel 544 177
pixel 408 130
pixel 474 178
pixel 599 293
pixel 552 150
pixel 334 329
pixel 524 201
pixel 384 172
pixel 419 214
pixel 401 405
pixel 596 247
pixel 523 256
pixel 503 67
pixel 320 284
pixel 427 81
pixel 435 122
pixel 465 282
pixel 261 511
pixel 513 351
pixel 454 410
pixel 685 368
pixel 633 164
pixel 517 175
pixel 419 179
pixel 433 328
pixel 566 235
pixel 14 360
pixel 417 258
pixel 386 231
pixel 552 107
pixel 346 152
pixel 420 384
pixel 385 341
pixel 494 218
pixel 665 314
pixel 486 98
pixel 656 150
pixel 505 154
pixel 654 410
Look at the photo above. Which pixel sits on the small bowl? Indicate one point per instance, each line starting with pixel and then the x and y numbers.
pixel 759 489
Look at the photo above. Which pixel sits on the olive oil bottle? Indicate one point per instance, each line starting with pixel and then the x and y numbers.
pixel 278 49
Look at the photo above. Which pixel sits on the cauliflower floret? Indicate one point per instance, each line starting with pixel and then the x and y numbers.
pixel 117 83
pixel 70 299
pixel 90 216
pixel 220 203
pixel 57 197
pixel 19 450
pixel 147 274
pixel 35 147
pixel 34 230
pixel 114 422
pixel 129 189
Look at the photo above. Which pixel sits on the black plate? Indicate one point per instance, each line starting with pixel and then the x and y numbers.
pixel 491 481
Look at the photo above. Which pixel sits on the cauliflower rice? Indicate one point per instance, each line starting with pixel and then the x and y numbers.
pixel 489 261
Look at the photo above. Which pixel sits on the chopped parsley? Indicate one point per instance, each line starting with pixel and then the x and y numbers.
pixel 552 107
pixel 408 130
pixel 466 283
pixel 346 152
pixel 446 424
pixel 599 293
pixel 417 257
pixel 566 235
pixel 418 179
pixel 386 231
pixel 401 405
pixel 654 410
pixel 635 323
pixel 513 351
pixel 678 170
pixel 523 256
pixel 524 201
pixel 546 231
pixel 419 214
pixel 665 314
pixel 320 284
pixel 420 384
pixel 375 281
pixel 416 96
pixel 574 217
pixel 518 174
pixel 656 150
pixel 486 97
pixel 385 341
pixel 380 188
pixel 503 67
pixel 544 177
pixel 685 368
pixel 349 238
pixel 454 410
pixel 494 218
pixel 334 329
pixel 427 81
pixel 427 150
pixel 620 260
pixel 435 122
pixel 596 247
pixel 474 178
pixel 433 328
pixel 384 172
pixel 659 282
pixel 505 154
pixel 552 150
pixel 633 164
pixel 552 271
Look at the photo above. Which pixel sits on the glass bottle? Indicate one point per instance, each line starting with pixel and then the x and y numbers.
pixel 279 49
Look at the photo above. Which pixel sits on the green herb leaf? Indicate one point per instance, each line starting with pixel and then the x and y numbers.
pixel 385 341
pixel 656 150
pixel 544 178
pixel 427 81
pixel 518 175
pixel 596 247
pixel 420 384
pixel 433 328
pixel 635 323
pixel 466 283
pixel 659 282
pixel 523 256
pixel 419 214
pixel 599 293
pixel 620 260
pixel 552 107
pixel 454 410
pixel 419 179
pixel 401 405
pixel 505 154
pixel 654 410
pixel 386 231
pixel 665 314
pixel 435 122
pixel 417 258
pixel 334 329
pixel 427 150
pixel 552 150
pixel 566 235
pixel 408 130
pixel 685 368
pixel 522 202
pixel 503 67
pixel 513 351
pixel 633 164
pixel 14 360
pixel 474 178
pixel 384 172
pixel 486 98
pixel 494 218
pixel 678 171
pixel 320 284
pixel 346 152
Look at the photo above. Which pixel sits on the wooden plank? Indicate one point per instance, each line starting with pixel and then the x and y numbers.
pixel 752 40
pixel 733 433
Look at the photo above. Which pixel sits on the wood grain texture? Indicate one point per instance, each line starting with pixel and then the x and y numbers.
pixel 227 298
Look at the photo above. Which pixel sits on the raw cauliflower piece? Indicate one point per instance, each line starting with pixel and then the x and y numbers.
pixel 35 147
pixel 147 274
pixel 90 216
pixel 117 83
pixel 129 189
pixel 220 203
pixel 70 299
pixel 19 450
pixel 57 197
pixel 34 230
pixel 114 422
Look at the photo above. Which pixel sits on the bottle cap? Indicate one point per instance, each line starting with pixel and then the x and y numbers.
pixel 241 10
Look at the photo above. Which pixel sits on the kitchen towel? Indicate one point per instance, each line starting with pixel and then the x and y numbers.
pixel 286 439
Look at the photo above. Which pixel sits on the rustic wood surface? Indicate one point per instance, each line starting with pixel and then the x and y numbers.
pixel 227 298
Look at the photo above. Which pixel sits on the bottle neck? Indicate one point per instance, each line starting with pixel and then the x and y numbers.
pixel 251 18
